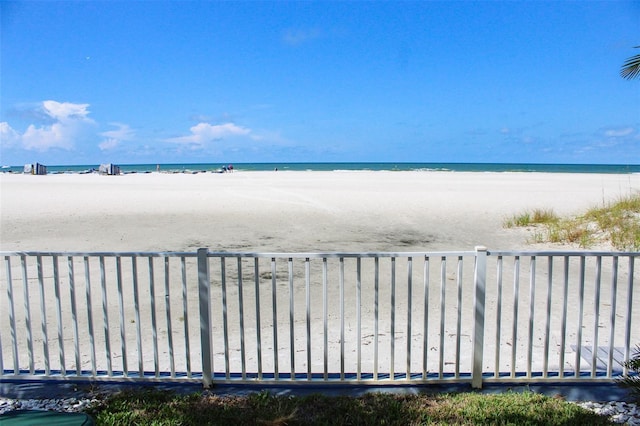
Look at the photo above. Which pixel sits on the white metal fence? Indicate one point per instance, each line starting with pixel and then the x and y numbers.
pixel 376 318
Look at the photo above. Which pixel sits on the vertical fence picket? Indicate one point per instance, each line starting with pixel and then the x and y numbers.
pixel 136 307
pixel 307 287
pixel 12 316
pixel 256 275
pixel 1 356
pixel 565 301
pixel 443 283
pixel 225 321
pixel 154 322
pixel 325 319
pixel 341 279
pixel 105 317
pixel 612 314
pixel 204 306
pixel 629 313
pixel 56 291
pixel 514 328
pixel 458 315
pixel 92 340
pixel 409 297
pixel 499 266
pixel 274 310
pixel 292 338
pixel 580 316
pixel 359 318
pixel 547 327
pixel 185 320
pixel 243 354
pixel 167 314
pixel 479 296
pixel 596 316
pixel 43 317
pixel 425 320
pixel 376 314
pixel 123 335
pixel 532 307
pixel 27 313
pixel 392 354
pixel 74 313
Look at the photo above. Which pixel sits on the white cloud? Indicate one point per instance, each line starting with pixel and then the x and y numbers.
pixel 527 140
pixel 64 111
pixel 295 37
pixel 616 133
pixel 8 136
pixel 114 137
pixel 203 133
pixel 45 138
pixel 69 122
pixel 109 144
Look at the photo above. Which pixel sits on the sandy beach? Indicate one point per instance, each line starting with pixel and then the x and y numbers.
pixel 288 211
pixel 303 212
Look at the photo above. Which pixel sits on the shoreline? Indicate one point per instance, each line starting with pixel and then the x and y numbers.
pixel 341 166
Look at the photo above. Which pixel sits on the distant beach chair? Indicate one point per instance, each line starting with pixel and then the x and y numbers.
pixel 34 169
pixel 109 169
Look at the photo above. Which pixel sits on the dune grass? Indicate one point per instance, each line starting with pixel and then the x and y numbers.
pixel 150 407
pixel 535 217
pixel 616 223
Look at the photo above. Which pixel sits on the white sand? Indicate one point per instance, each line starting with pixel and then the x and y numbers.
pixel 287 211
pixel 301 212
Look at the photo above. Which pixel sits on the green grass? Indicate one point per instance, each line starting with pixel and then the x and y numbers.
pixel 621 220
pixel 535 217
pixel 151 407
pixel 616 223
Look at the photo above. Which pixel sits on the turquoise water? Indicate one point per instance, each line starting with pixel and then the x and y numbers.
pixel 454 167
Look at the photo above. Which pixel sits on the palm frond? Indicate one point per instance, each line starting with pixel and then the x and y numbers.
pixel 631 68
pixel 632 379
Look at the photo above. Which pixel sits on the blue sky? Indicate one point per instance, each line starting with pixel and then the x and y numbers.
pixel 127 82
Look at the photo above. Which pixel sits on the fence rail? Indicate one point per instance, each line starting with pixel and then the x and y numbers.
pixel 370 318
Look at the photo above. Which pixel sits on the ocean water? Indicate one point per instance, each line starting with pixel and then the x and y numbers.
pixel 453 167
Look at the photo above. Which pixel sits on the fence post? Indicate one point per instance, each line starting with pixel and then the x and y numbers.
pixel 480 277
pixel 204 284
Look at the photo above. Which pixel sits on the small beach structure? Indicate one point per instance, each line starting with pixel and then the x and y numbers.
pixel 109 169
pixel 35 169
